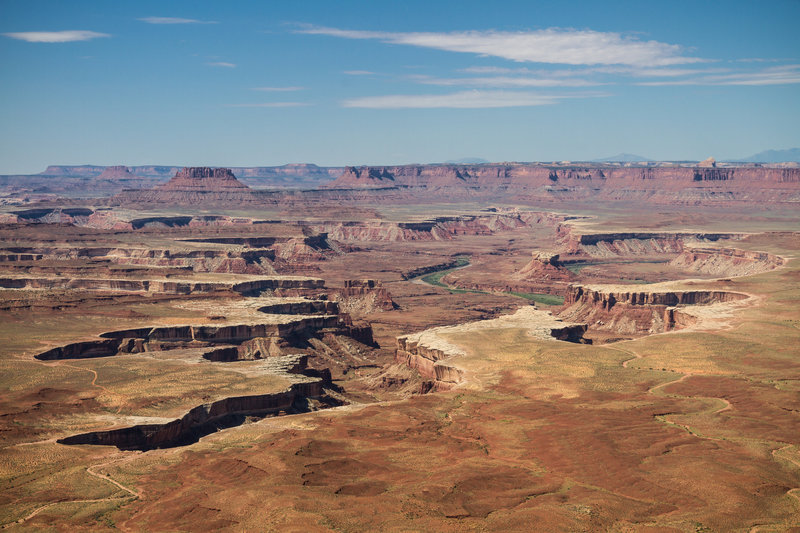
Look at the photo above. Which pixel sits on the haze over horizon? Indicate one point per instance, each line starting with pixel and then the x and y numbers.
pixel 259 84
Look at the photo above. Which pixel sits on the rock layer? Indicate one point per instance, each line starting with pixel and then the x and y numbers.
pixel 664 184
pixel 633 244
pixel 728 262
pixel 624 309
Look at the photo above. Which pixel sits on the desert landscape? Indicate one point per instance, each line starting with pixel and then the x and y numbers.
pixel 346 359
pixel 369 266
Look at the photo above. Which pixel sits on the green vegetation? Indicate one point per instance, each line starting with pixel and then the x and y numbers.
pixel 435 278
pixel 575 268
pixel 544 299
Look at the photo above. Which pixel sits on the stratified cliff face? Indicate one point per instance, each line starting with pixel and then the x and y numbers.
pixel 653 310
pixel 637 244
pixel 728 262
pixel 199 421
pixel 528 182
pixel 536 175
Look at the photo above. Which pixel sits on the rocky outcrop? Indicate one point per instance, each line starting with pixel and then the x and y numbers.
pixel 307 249
pixel 250 350
pixel 363 177
pixel 118 172
pixel 728 262
pixel 624 309
pixel 203 179
pixel 544 266
pixel 361 297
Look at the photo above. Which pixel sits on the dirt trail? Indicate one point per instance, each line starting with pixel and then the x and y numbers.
pixel 130 496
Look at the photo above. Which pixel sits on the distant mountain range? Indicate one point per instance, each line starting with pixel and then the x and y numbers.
pixel 623 158
pixel 774 156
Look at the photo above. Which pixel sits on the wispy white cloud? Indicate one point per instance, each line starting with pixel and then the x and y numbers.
pixel 66 36
pixel 221 64
pixel 663 72
pixel 278 89
pixel 461 100
pixel 756 60
pixel 175 20
pixel 507 82
pixel 565 46
pixel 500 70
pixel 633 71
pixel 358 72
pixel 272 104
pixel 781 75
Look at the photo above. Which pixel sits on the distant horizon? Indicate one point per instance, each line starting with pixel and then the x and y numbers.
pixel 322 165
pixel 389 84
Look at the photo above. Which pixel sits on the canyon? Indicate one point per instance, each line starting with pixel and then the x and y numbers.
pixel 433 347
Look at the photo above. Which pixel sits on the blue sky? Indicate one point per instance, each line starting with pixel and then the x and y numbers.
pixel 267 83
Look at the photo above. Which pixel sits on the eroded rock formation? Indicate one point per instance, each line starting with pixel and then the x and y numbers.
pixel 728 262
pixel 360 297
pixel 544 266
pixel 633 244
pixel 624 309
pixel 191 185
pixel 203 179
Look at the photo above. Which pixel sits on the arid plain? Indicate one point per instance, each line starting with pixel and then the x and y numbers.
pixel 441 348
